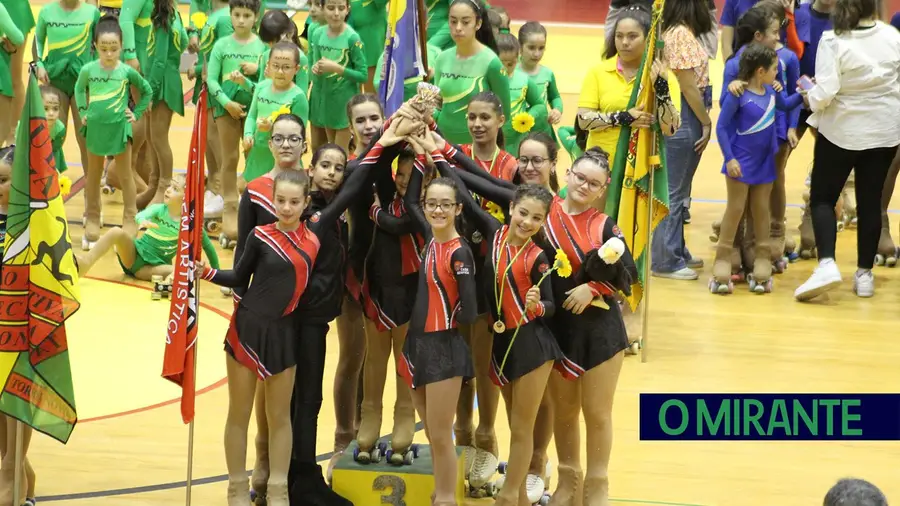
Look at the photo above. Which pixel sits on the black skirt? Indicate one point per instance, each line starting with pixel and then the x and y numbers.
pixel 262 344
pixel 435 356
pixel 588 339
pixel 534 346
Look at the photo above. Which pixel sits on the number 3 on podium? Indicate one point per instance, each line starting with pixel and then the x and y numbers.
pixel 397 486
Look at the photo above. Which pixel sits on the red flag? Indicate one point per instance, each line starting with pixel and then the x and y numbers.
pixel 181 329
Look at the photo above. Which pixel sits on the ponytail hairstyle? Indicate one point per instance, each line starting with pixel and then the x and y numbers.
pixel 507 43
pixel 488 97
pixel 485 34
pixel 847 14
pixel 637 12
pixel 163 13
pixel 757 19
pixel 753 58
pixel 107 24
pixel 530 28
pixel 273 25
pixel 552 154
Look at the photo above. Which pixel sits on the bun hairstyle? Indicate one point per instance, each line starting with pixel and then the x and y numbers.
pixel 846 14
pixel 507 43
pixel 596 155
pixel 107 24
pixel 273 25
pixel 485 34
pixel 297 177
pixel 640 14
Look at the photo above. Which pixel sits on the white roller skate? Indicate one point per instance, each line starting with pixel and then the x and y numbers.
pixel 760 288
pixel 887 251
pixel 484 466
pixel 85 244
pixel 213 208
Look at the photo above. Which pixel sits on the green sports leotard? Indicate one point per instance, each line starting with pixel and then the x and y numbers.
pixel 330 92
pixel 9 30
pixel 102 99
pixel 164 62
pixel 369 19
pixel 66 38
pixel 410 87
pixel 546 82
pixel 301 79
pixel 57 138
pixel 21 15
pixel 203 6
pixel 267 100
pixel 136 27
pixel 227 56
pixel 524 97
pixel 438 32
pixel 218 25
pixel 567 139
pixel 460 80
pixel 158 246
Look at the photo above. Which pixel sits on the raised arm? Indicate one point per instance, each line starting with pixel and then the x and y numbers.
pixel 484 221
pixel 246 222
pixel 394 225
pixel 412 199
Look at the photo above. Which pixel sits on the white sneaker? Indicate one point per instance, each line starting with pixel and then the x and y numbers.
pixel 483 468
pixel 864 283
pixel 213 205
pixel 534 488
pixel 826 277
pixel 685 274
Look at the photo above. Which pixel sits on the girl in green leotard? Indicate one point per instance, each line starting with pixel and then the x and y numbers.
pixel 468 69
pixel 524 95
pixel 338 69
pixel 438 29
pixel 369 19
pixel 270 96
pixel 101 93
pixel 11 38
pixel 168 40
pixel 231 92
pixel 315 19
pixel 50 96
pixel 64 32
pixel 533 39
pixel 277 27
pixel 23 19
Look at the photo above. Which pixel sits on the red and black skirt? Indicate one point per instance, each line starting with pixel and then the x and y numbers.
pixel 260 343
pixel 534 346
pixel 588 339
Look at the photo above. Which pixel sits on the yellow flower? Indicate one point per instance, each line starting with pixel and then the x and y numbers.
pixel 283 110
pixel 562 265
pixel 522 122
pixel 496 212
pixel 198 19
pixel 65 186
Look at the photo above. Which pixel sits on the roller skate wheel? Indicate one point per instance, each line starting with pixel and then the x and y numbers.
pixel 635 347
pixel 155 295
pixel 107 190
pixel 409 458
pixel 501 467
pixel 793 257
pixel 545 500
pixel 415 451
pixel 891 261
pixel 225 291
pixel 879 259
pixel 213 227
pixel 253 495
pixel 840 226
pixel 223 240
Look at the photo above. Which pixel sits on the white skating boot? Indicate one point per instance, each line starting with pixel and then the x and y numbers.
pixel 484 466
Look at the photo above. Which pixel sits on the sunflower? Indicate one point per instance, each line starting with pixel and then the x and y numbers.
pixel 283 110
pixel 496 212
pixel 562 265
pixel 65 186
pixel 522 122
pixel 198 19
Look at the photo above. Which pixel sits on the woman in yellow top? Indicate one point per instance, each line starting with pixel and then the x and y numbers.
pixel 607 89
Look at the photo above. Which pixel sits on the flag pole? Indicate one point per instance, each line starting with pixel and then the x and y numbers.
pixel 423 31
pixel 20 449
pixel 190 460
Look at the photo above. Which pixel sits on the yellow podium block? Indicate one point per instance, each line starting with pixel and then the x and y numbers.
pixel 385 483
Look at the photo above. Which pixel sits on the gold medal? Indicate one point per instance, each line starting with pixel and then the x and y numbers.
pixel 499 327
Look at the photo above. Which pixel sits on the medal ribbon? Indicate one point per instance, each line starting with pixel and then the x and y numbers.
pixel 498 290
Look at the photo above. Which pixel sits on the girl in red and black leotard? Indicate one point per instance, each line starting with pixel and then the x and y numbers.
pixel 436 359
pixel 263 335
pixel 389 289
pixel 485 121
pixel 524 349
pixel 587 323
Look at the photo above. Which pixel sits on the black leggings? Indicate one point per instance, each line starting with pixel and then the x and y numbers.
pixel 307 399
pixel 831 167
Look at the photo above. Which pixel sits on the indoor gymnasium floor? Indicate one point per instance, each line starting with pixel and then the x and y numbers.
pixel 130 447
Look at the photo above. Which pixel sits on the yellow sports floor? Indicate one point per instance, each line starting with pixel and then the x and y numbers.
pixel 130 447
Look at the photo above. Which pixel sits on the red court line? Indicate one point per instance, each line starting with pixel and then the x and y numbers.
pixel 202 391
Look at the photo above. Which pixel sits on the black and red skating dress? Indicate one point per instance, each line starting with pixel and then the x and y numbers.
pixel 435 350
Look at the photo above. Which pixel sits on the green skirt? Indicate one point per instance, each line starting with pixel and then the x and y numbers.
pixel 373 41
pixel 107 139
pixel 138 263
pixel 6 84
pixel 259 159
pixel 63 76
pixel 20 14
pixel 327 105
pixel 171 92
pixel 233 92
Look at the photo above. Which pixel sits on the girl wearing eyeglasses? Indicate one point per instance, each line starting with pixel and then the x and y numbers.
pixel 269 96
pixel 436 360
pixel 587 324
